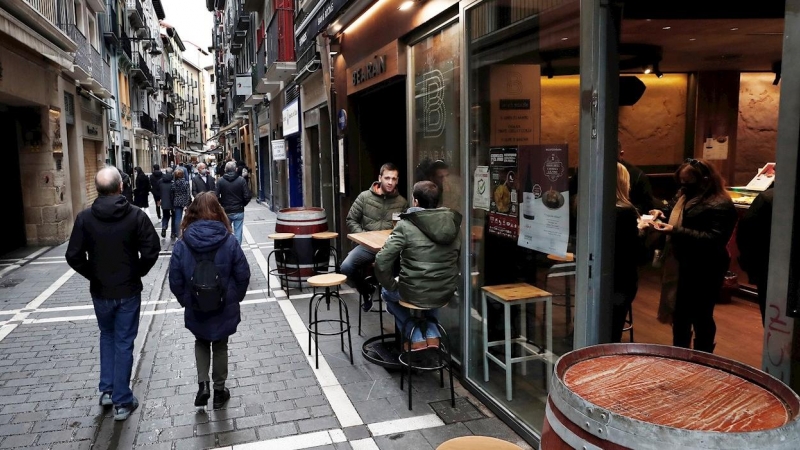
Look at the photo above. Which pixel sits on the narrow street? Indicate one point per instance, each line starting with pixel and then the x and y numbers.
pixel 49 370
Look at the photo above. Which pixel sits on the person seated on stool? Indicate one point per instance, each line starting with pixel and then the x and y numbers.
pixel 427 242
pixel 372 211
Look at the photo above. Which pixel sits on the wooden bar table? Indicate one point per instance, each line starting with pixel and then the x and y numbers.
pixel 373 240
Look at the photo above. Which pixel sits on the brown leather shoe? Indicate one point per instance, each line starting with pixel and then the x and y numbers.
pixel 415 346
pixel 433 342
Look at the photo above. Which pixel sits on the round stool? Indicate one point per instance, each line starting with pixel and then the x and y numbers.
pixel 406 354
pixel 477 443
pixel 328 281
pixel 284 255
pixel 322 256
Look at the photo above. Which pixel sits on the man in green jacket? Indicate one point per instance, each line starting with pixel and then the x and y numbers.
pixel 427 242
pixel 372 211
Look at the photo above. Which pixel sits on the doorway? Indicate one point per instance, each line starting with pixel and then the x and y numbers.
pixel 12 186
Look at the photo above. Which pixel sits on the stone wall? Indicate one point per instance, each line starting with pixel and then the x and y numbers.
pixel 757 130
pixel 652 131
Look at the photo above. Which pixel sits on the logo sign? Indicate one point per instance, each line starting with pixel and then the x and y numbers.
pixel 342 119
pixel 370 70
pixel 244 85
pixel 291 119
pixel 434 111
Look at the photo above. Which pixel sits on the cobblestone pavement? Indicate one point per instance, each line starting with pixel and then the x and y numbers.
pixel 49 370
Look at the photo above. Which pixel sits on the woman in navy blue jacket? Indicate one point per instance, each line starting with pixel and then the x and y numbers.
pixel 206 229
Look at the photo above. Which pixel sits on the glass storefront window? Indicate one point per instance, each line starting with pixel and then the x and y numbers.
pixel 524 103
pixel 435 144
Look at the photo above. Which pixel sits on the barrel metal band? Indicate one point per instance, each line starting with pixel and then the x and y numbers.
pixel 565 434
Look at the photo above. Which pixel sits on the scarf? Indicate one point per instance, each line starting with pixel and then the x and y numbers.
pixel 669 277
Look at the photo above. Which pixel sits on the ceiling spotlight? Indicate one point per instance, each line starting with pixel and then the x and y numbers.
pixel 408 4
pixel 665 28
pixel 776 67
pixel 564 38
pixel 648 69
pixel 657 72
pixel 734 28
pixel 692 39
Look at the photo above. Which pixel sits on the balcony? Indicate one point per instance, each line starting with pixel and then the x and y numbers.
pixel 241 24
pixel 136 14
pixel 88 67
pixel 162 110
pixel 280 65
pixel 168 80
pixel 171 109
pixel 47 17
pixel 125 45
pixel 110 26
pixel 140 71
pixel 142 122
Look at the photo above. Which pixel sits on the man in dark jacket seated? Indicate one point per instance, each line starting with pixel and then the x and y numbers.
pixel 427 242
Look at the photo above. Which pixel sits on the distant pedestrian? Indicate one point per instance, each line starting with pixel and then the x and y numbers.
pixel 207 237
pixel 180 199
pixel 114 245
pixel 203 181
pixel 142 190
pixel 127 190
pixel 155 180
pixel 165 189
pixel 233 195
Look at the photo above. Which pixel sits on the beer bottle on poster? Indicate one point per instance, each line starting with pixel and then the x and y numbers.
pixel 527 196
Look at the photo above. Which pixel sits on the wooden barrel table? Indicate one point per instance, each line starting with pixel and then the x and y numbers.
pixel 643 396
pixel 303 222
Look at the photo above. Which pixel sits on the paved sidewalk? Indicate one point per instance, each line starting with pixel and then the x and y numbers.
pixel 49 368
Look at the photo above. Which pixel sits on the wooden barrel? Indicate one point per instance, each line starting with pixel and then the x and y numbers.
pixel 303 222
pixel 642 396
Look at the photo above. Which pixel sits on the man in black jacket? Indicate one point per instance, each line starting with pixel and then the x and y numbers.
pixel 202 181
pixel 233 195
pixel 114 245
pixel 155 178
pixel 753 240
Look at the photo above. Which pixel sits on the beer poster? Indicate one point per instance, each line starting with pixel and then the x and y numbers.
pixel 544 218
pixel 504 204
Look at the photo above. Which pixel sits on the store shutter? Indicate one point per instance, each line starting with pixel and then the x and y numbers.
pixel 90 164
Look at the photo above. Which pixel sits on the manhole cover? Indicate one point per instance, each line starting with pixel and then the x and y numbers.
pixel 11 282
pixel 463 411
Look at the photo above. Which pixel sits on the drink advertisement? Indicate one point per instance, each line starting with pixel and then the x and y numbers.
pixel 504 204
pixel 544 222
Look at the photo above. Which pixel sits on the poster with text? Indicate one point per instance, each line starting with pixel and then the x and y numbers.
pixel 544 222
pixel 482 198
pixel 504 205
pixel 515 104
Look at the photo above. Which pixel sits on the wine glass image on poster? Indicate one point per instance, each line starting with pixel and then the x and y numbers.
pixel 504 206
pixel 544 223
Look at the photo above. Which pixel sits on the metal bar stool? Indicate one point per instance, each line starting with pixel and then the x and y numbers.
pixel 284 256
pixel 320 264
pixel 328 281
pixel 376 288
pixel 443 351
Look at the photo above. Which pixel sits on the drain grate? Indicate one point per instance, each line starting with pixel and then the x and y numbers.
pixel 11 282
pixel 463 411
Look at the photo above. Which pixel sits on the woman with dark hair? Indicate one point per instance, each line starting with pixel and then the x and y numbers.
pixel 207 237
pixel 142 189
pixel 695 257
pixel 181 197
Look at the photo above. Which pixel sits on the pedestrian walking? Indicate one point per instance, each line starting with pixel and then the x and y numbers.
pixel 166 203
pixel 155 180
pixel 142 190
pixel 114 245
pixel 181 197
pixel 233 195
pixel 127 190
pixel 203 181
pixel 211 308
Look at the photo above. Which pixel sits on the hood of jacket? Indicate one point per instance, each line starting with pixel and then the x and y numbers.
pixel 157 174
pixel 166 178
pixel 230 176
pixel 440 225
pixel 205 235
pixel 377 185
pixel 111 208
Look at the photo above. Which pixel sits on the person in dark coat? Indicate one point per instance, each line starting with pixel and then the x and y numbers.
pixel 181 197
pixel 753 240
pixel 203 181
pixel 127 190
pixel 155 179
pixel 206 229
pixel 628 247
pixel 696 256
pixel 142 190
pixel 234 195
pixel 114 245
pixel 165 190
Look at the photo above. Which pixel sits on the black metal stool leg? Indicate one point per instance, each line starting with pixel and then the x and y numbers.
pixel 343 305
pixel 341 318
pixel 310 308
pixel 380 316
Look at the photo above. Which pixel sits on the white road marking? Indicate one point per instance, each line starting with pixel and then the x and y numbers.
pixel 404 425
pixel 5 330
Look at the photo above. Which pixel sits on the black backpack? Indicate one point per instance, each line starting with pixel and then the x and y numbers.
pixel 206 286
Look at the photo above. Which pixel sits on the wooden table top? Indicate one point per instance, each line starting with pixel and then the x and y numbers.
pixel 325 235
pixel 676 393
pixel 477 443
pixel 516 292
pixel 279 236
pixel 373 240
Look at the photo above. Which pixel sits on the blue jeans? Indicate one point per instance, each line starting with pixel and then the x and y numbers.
pixel 177 218
pixel 353 266
pixel 118 320
pixel 237 222
pixel 402 314
pixel 167 220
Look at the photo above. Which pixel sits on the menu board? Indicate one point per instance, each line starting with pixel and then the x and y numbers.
pixel 544 223
pixel 503 206
pixel 515 104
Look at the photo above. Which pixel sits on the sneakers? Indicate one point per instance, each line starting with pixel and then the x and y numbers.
pixel 432 342
pixel 122 412
pixel 366 305
pixel 105 400
pixel 163 232
pixel 203 394
pixel 220 397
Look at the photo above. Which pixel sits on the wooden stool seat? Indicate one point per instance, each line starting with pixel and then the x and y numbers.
pixel 410 306
pixel 515 292
pixel 327 280
pixel 280 236
pixel 325 235
pixel 477 443
pixel 568 258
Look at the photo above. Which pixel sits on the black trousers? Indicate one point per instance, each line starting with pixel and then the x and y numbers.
pixel 694 310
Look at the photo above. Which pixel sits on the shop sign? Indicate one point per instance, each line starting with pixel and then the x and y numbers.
pixel 515 104
pixel 291 118
pixel 244 85
pixel 278 150
pixel 92 132
pixel 370 70
pixel 317 21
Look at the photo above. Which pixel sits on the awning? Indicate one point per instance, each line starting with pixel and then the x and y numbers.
pixel 224 129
